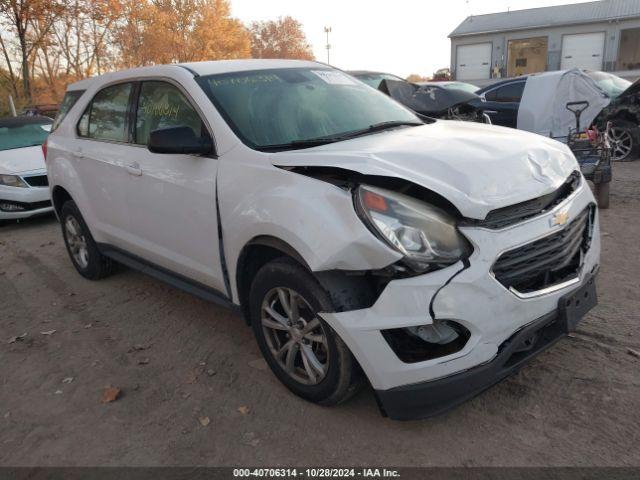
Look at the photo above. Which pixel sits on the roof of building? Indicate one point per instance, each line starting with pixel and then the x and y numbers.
pixel 601 11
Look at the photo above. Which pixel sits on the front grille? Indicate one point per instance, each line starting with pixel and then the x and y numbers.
pixel 506 216
pixel 549 260
pixel 37 181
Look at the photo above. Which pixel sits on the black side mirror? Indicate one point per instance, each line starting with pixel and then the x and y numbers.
pixel 178 140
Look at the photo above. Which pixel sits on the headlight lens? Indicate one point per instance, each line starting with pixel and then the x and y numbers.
pixel 426 236
pixel 12 181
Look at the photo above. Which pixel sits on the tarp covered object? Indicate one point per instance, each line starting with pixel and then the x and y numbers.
pixel 543 108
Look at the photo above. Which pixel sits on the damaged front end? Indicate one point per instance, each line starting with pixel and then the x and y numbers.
pixel 436 102
pixel 443 323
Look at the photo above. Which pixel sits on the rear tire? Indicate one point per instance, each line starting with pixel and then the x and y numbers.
pixel 82 248
pixel 317 365
pixel 602 192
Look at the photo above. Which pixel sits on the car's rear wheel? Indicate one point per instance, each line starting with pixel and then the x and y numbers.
pixel 623 142
pixel 82 248
pixel 301 349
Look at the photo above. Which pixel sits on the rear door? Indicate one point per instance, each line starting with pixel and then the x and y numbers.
pixel 583 50
pixel 100 153
pixel 502 103
pixel 171 197
pixel 473 61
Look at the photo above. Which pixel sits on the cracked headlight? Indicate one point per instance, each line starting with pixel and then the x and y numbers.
pixel 426 235
pixel 12 181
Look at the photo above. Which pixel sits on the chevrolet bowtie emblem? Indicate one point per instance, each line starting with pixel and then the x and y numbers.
pixel 560 219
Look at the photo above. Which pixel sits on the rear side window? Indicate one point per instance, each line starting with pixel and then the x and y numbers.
pixel 69 100
pixel 162 105
pixel 106 116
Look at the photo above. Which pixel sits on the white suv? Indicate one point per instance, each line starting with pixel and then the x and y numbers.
pixel 360 241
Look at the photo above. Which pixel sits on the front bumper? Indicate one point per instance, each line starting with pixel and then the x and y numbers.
pixel 428 399
pixel 33 200
pixel 467 294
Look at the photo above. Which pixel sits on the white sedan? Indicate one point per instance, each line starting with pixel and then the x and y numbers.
pixel 24 188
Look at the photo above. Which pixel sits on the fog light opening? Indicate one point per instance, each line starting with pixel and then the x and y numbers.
pixel 10 207
pixel 426 342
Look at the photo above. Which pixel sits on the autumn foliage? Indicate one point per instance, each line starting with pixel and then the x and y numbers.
pixel 45 44
pixel 281 38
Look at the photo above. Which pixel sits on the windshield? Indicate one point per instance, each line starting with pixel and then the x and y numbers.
pixel 612 85
pixel 284 106
pixel 25 135
pixel 467 87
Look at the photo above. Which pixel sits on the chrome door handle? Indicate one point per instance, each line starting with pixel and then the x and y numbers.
pixel 490 112
pixel 79 153
pixel 134 169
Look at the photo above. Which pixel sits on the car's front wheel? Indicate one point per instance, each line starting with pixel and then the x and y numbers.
pixel 623 140
pixel 301 349
pixel 82 248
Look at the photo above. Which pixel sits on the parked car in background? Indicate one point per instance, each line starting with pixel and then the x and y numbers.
pixel 452 85
pixel 433 99
pixel 624 114
pixel 374 79
pixel 502 104
pixel 24 188
pixel 361 242
pixel 45 110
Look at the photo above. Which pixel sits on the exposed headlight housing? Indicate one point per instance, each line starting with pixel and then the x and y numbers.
pixel 12 181
pixel 426 235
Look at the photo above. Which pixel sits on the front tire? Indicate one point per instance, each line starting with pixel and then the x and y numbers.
pixel 81 246
pixel 301 349
pixel 623 137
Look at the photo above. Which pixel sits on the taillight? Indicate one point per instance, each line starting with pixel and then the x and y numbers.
pixel 44 149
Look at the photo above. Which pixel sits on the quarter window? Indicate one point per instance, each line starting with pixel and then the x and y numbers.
pixel 162 105
pixel 106 117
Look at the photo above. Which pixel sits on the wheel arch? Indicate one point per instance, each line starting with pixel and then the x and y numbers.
pixel 254 255
pixel 59 196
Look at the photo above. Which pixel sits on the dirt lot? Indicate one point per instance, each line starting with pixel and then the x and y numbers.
pixel 178 359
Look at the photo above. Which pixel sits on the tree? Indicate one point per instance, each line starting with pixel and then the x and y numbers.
pixel 414 78
pixel 168 31
pixel 281 38
pixel 29 21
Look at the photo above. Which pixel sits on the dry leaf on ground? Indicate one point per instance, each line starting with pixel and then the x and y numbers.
pixel 204 421
pixel 243 409
pixel 110 394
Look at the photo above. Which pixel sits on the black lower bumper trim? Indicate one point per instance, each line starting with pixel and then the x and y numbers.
pixel 423 400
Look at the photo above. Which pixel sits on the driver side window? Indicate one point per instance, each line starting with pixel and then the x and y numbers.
pixel 162 105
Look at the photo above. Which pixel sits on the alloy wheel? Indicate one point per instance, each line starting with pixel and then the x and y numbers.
pixel 77 242
pixel 621 143
pixel 295 336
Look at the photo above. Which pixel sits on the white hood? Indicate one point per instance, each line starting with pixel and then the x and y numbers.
pixel 21 160
pixel 476 167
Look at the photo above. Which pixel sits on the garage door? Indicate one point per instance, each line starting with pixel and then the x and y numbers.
pixel 474 61
pixel 584 50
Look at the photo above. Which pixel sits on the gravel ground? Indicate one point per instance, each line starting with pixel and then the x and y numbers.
pixel 181 362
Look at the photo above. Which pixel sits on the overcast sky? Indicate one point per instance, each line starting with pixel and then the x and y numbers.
pixel 397 36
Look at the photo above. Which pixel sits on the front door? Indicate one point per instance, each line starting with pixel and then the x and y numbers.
pixel 502 103
pixel 171 197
